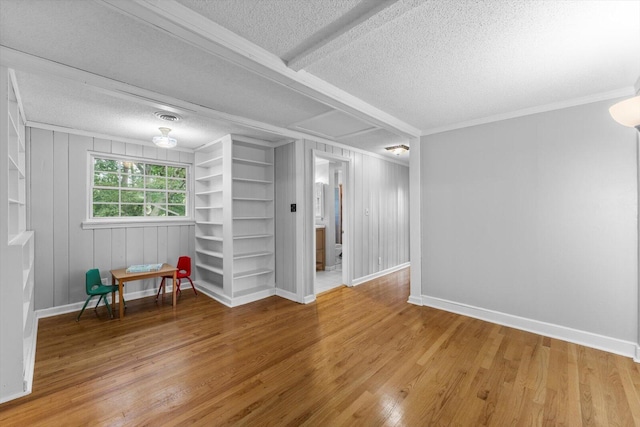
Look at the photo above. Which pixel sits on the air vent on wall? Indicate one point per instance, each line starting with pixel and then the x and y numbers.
pixel 169 117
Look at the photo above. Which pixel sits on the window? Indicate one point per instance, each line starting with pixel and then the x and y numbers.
pixel 134 189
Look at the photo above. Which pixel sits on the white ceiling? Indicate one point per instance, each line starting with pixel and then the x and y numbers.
pixel 368 74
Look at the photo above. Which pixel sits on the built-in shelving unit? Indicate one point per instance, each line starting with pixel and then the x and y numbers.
pixel 234 220
pixel 17 339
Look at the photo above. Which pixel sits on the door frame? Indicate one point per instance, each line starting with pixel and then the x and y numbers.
pixel 347 215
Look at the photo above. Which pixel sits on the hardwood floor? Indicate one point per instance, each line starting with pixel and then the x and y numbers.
pixel 357 356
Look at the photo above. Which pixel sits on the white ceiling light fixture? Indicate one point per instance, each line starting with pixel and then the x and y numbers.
pixel 627 112
pixel 164 140
pixel 398 149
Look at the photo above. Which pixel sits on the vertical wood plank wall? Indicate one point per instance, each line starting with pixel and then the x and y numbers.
pixel 379 185
pixel 285 224
pixel 58 200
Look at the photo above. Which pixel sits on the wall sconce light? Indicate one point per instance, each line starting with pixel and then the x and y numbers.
pixel 398 149
pixel 164 140
pixel 627 112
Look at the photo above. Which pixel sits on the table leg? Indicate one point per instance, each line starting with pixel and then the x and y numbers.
pixel 121 299
pixel 175 287
pixel 113 292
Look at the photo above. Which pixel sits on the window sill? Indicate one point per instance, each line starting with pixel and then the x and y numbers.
pixel 112 223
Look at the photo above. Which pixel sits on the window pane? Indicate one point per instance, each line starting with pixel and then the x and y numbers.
pixel 177 184
pixel 127 188
pixel 156 210
pixel 132 181
pixel 176 210
pixel 105 179
pixel 106 165
pixel 176 172
pixel 132 196
pixel 132 210
pixel 133 168
pixel 106 196
pixel 156 197
pixel 102 211
pixel 157 170
pixel 179 198
pixel 156 183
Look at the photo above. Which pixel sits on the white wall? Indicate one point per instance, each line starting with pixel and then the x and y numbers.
pixel 285 220
pixel 535 217
pixel 58 197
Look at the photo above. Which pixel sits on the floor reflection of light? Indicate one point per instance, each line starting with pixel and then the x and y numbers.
pixel 389 404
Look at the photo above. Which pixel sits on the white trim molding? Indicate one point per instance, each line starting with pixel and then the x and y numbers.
pixel 363 279
pixel 619 93
pixel 588 339
pixel 291 296
pixel 188 26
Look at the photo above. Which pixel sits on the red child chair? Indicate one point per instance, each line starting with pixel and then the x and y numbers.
pixel 184 271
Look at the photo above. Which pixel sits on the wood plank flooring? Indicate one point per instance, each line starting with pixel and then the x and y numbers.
pixel 357 356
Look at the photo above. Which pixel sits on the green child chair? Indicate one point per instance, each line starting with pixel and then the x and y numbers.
pixel 95 287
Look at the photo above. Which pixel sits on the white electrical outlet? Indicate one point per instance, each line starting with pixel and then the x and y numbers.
pixel 379 260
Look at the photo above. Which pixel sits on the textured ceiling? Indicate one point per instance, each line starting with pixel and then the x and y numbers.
pixel 429 64
pixel 94 38
pixel 443 63
pixel 280 26
pixel 95 111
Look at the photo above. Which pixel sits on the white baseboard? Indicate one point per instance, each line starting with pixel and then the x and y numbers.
pixel 77 306
pixel 255 296
pixel 415 300
pixel 212 293
pixel 361 280
pixel 309 299
pixel 287 295
pixel 588 339
pixel 637 356
pixel 231 302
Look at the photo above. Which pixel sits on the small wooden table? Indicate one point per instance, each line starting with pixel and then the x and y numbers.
pixel 121 276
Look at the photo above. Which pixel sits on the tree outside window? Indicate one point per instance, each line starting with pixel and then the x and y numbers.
pixel 132 188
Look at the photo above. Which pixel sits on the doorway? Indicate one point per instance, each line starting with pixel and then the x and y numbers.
pixel 330 189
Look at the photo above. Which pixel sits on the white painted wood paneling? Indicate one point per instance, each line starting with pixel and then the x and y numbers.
pixel 285 226
pixel 60 218
pixel 58 197
pixel 378 185
pixel 118 247
pixel 150 253
pixel 80 241
pixel 42 211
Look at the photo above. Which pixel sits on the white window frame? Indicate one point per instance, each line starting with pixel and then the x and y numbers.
pixel 121 222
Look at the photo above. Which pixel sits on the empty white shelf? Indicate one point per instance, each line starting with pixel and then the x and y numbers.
pixel 209 253
pixel 210 268
pixel 252 254
pixel 255 181
pixel 250 273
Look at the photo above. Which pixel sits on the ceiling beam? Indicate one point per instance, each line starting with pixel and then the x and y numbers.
pixel 335 40
pixel 185 24
pixel 298 57
pixel 22 61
